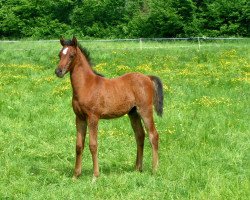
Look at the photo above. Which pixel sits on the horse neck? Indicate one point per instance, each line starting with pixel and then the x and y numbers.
pixel 81 74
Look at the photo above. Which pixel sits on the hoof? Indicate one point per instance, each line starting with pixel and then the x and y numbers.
pixel 138 168
pixel 94 179
pixel 154 171
pixel 74 178
pixel 76 175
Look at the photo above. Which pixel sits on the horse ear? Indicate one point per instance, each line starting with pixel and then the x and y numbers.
pixel 62 41
pixel 74 41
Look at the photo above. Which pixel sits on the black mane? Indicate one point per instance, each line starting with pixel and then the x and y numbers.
pixel 85 52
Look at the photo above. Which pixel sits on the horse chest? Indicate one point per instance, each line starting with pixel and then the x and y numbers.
pixel 79 108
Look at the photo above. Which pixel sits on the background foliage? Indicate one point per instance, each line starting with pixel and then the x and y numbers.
pixel 125 19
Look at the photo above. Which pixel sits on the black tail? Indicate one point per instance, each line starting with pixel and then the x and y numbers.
pixel 158 96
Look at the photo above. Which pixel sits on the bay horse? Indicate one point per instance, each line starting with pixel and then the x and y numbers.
pixel 96 97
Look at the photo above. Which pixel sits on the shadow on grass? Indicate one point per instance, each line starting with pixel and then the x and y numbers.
pixel 104 169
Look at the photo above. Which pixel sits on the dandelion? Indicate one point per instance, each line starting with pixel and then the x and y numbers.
pixel 144 68
pixel 167 88
pixel 122 68
pixel 243 62
pixel 200 65
pixel 225 63
pixel 165 71
pixel 61 89
pixel 211 102
pixel 23 66
pixel 100 66
pixel 241 79
pixel 230 54
pixel 170 131
pixel 186 72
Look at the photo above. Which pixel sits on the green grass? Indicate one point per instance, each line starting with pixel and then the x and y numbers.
pixel 204 133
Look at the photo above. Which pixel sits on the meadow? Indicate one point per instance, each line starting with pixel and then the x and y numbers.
pixel 204 132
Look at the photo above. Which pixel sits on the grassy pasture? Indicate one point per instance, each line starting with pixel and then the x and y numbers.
pixel 204 133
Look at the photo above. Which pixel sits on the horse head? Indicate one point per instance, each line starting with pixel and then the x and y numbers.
pixel 67 56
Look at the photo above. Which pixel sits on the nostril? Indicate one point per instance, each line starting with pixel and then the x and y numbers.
pixel 58 72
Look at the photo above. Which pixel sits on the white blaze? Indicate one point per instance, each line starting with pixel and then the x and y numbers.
pixel 65 50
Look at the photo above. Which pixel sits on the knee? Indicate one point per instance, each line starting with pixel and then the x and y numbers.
pixel 154 139
pixel 93 148
pixel 79 149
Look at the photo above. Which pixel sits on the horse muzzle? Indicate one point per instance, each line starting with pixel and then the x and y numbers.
pixel 60 72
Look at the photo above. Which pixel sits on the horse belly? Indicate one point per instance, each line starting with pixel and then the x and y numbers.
pixel 116 107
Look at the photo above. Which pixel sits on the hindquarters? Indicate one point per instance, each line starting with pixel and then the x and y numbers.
pixel 148 91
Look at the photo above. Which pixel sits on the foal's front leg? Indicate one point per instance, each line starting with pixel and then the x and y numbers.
pixel 93 127
pixel 81 127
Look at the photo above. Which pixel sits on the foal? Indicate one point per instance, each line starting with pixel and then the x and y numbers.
pixel 96 97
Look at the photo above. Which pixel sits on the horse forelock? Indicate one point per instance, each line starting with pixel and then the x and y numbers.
pixel 68 43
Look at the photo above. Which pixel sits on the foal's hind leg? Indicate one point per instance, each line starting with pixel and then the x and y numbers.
pixel 136 124
pixel 147 116
pixel 81 127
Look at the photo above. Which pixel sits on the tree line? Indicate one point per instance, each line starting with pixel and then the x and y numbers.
pixel 123 18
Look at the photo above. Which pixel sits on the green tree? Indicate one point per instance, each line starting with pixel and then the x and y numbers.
pixel 155 19
pixel 97 18
pixel 28 18
pixel 222 17
pixel 130 18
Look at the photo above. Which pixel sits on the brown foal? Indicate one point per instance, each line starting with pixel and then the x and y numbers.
pixel 96 97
